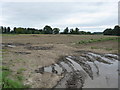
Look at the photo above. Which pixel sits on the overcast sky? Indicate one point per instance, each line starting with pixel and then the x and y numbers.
pixel 94 16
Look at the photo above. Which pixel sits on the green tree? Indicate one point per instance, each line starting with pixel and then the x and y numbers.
pixel 107 31
pixel 66 30
pixel 1 29
pixel 56 30
pixel 20 30
pixel 47 30
pixel 116 30
pixel 76 31
pixel 72 31
pixel 5 30
pixel 8 30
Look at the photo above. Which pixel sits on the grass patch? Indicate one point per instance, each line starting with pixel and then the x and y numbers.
pixel 108 49
pixel 97 40
pixel 5 50
pixel 94 47
pixel 7 82
pixel 21 70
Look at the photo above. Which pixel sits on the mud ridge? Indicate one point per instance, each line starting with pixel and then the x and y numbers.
pixel 79 68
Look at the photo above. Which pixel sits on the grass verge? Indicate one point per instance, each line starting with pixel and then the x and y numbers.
pixel 97 40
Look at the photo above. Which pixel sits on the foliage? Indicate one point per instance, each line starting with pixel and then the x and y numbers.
pixel 66 31
pixel 47 30
pixel 115 31
pixel 56 30
pixel 7 82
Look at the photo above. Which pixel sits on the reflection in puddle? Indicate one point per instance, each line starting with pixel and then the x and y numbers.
pixel 108 76
pixel 75 65
pixel 65 66
pixel 48 69
pixel 93 71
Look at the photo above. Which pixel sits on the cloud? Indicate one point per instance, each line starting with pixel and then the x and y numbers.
pixel 84 15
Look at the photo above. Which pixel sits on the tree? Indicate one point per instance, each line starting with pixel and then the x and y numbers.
pixel 5 30
pixel 14 30
pixel 8 30
pixel 20 30
pixel 72 31
pixel 116 30
pixel 82 32
pixel 76 31
pixel 107 31
pixel 1 29
pixel 56 30
pixel 66 30
pixel 47 30
pixel 89 33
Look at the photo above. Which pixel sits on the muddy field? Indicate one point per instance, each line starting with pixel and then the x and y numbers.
pixel 58 61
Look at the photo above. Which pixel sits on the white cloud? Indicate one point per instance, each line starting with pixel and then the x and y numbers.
pixel 60 0
pixel 86 15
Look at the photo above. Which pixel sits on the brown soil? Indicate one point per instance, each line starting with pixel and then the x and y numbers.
pixel 34 51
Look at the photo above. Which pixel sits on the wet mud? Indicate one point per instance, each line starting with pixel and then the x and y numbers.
pixel 87 70
pixel 39 47
pixel 23 53
pixel 26 46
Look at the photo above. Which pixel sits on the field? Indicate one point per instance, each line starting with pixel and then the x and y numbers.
pixel 25 56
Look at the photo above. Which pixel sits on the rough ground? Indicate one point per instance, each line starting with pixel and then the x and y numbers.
pixel 31 52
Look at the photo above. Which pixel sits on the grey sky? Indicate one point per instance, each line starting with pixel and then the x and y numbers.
pixel 88 16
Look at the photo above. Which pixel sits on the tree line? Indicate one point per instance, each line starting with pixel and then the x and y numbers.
pixel 46 30
pixel 114 31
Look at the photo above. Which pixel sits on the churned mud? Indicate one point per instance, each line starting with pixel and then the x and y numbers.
pixel 89 70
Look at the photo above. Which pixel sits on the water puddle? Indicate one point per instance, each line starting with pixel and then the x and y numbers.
pixel 66 66
pixel 107 77
pixel 75 65
pixel 91 70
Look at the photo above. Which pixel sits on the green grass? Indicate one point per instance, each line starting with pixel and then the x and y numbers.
pixel 7 82
pixel 21 70
pixel 94 47
pixel 108 49
pixel 97 40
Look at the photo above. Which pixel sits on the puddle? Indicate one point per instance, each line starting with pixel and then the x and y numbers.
pixel 12 45
pixel 107 77
pixel 48 69
pixel 58 69
pixel 75 65
pixel 112 56
pixel 89 70
pixel 66 66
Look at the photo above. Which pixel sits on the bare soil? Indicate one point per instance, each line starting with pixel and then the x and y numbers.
pixel 32 52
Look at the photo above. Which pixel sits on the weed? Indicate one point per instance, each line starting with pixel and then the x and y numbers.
pixel 21 70
pixel 108 49
pixel 94 47
pixel 19 77
pixel 11 83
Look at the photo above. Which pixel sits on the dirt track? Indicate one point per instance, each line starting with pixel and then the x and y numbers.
pixel 32 52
